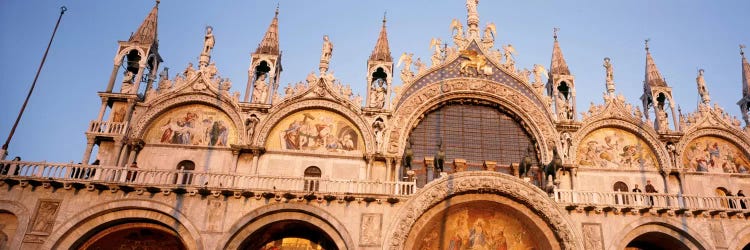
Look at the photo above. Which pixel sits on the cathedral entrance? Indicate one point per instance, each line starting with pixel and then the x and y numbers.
pixel 289 235
pixel 656 241
pixel 136 236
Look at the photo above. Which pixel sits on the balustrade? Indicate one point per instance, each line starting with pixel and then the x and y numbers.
pixel 652 200
pixel 107 127
pixel 194 179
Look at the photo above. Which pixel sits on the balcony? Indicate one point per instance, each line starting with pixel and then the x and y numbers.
pixel 40 172
pixel 107 128
pixel 670 203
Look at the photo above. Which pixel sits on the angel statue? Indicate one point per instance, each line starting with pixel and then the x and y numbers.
pixel 509 52
pixel 406 73
pixel 489 33
pixel 539 70
pixel 437 54
pixel 457 28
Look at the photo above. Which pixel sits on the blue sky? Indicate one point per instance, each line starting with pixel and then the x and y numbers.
pixel 685 36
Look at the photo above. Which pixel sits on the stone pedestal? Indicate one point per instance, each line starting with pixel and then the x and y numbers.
pixel 490 165
pixel 459 165
pixel 429 166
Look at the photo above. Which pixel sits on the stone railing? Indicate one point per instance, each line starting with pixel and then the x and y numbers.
pixel 627 201
pixel 70 173
pixel 107 127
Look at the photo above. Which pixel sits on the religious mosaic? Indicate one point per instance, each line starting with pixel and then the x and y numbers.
pixel 614 148
pixel 315 130
pixel 475 227
pixel 713 154
pixel 193 125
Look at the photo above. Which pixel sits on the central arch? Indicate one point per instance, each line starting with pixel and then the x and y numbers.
pixel 482 189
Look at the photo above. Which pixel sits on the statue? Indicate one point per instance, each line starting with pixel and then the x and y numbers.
pixel 189 71
pixel 539 70
pixel 406 73
pixel 127 83
pixel 610 76
pixel 420 66
pixel 347 91
pixel 250 124
pixel 562 107
pixel 378 126
pixel 525 73
pixel 474 60
pixel 225 86
pixel 457 28
pixel 437 54
pixel 260 89
pixel 702 91
pixel 661 119
pixel 326 52
pixel 357 99
pixel 471 8
pixel 566 141
pixel 673 154
pixel 553 166
pixel 208 43
pixel 377 96
pixel 288 90
pixel 509 51
pixel 439 158
pixel 408 155
pixel 525 166
pixel 489 33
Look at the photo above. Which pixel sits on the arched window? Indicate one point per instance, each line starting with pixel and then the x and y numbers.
pixel 722 192
pixel 620 187
pixel 312 179
pixel 185 174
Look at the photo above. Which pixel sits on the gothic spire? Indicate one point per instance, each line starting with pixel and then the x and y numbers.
pixel 382 51
pixel 558 65
pixel 653 77
pixel 146 33
pixel 270 42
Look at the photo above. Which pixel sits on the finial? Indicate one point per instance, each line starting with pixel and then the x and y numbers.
pixel 647 39
pixel 158 2
pixel 277 9
pixel 554 32
pixel 384 13
pixel 742 52
pixel 63 9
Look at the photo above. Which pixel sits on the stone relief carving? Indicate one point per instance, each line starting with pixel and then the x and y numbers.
pixel 370 228
pixel 467 182
pixel 44 219
pixel 215 215
pixel 592 236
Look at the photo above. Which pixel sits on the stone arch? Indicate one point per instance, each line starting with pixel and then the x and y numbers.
pixel 266 215
pixel 24 218
pixel 740 239
pixel 144 120
pixel 666 226
pixel 482 182
pixel 741 141
pixel 126 50
pixel 90 219
pixel 648 135
pixel 534 119
pixel 347 112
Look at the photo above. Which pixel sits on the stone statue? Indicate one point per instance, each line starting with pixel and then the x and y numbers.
pixel 662 120
pixel 326 52
pixel 673 154
pixel 357 99
pixel 377 97
pixel 250 124
pixel 164 82
pixel 539 70
pixel 127 83
pixel 471 8
pixel 189 71
pixel 288 90
pixel 420 66
pixel 347 91
pixel 566 141
pixel 562 107
pixel 408 155
pixel 208 43
pixel 439 158
pixel 378 126
pixel 406 73
pixel 702 91
pixel 225 86
pixel 489 33
pixel 260 92
pixel 610 76
pixel 437 54
pixel 509 51
pixel 525 166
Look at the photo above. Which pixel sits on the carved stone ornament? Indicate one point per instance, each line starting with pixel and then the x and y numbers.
pixel 473 181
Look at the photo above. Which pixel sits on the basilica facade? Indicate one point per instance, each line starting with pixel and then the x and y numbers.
pixel 470 152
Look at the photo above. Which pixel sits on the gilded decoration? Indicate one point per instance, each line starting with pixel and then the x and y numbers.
pixel 193 124
pixel 315 130
pixel 476 226
pixel 714 154
pixel 614 148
